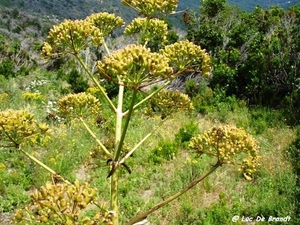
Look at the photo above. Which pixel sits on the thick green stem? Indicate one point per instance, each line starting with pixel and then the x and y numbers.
pixel 119 117
pixel 114 197
pixel 173 197
pixel 96 82
pixel 114 175
pixel 128 117
pixel 43 165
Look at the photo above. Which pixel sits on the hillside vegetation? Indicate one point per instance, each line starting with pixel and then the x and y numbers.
pixel 102 125
pixel 76 9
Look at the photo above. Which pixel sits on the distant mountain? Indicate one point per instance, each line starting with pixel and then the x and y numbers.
pixel 69 9
pixel 250 5
pixel 75 9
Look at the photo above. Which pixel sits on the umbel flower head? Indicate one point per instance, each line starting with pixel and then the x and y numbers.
pixel 149 8
pixel 186 55
pixel 64 204
pixel 231 145
pixel 105 22
pixel 18 127
pixel 155 29
pixel 167 102
pixel 134 65
pixel 81 104
pixel 71 37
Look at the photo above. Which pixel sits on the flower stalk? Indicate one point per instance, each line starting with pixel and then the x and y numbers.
pixel 173 197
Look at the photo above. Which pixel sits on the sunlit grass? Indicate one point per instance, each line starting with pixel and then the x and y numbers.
pixel 214 201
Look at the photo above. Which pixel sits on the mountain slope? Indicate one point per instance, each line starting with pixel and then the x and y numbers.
pixel 69 9
pixel 75 9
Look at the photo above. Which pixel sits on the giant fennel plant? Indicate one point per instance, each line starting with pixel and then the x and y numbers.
pixel 130 68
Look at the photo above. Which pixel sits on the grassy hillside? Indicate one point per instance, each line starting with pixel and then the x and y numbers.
pixel 163 164
pixel 160 167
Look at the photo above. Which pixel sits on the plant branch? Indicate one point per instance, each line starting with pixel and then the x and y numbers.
pixel 16 145
pixel 96 82
pixel 173 197
pixel 43 165
pixel 140 143
pixel 96 139
pixel 106 48
pixel 148 97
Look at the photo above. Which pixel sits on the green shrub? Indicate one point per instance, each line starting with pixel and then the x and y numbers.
pixel 191 88
pixel 186 132
pixel 7 68
pixel 203 101
pixel 263 118
pixel 14 196
pixel 77 81
pixel 165 150
pixel 293 155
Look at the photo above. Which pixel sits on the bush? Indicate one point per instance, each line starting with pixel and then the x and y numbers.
pixel 7 68
pixel 203 101
pixel 165 150
pixel 186 132
pixel 77 82
pixel 293 155
pixel 191 88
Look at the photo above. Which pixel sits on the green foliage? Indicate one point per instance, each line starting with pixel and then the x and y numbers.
pixel 134 67
pixel 185 133
pixel 293 154
pixel 77 81
pixel 213 7
pixel 191 88
pixel 11 197
pixel 278 189
pixel 164 151
pixel 217 213
pixel 7 68
pixel 254 54
pixel 204 100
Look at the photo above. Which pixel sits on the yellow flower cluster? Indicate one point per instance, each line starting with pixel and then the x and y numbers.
pixel 19 127
pixel 229 144
pixel 167 102
pixel 4 97
pixel 82 104
pixel 151 28
pixel 71 37
pixel 187 55
pixel 150 7
pixel 134 65
pixel 29 96
pixel 105 22
pixel 95 91
pixel 63 204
